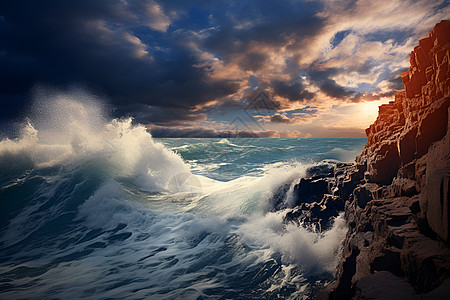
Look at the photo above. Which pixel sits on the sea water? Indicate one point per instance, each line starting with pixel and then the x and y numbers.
pixel 95 208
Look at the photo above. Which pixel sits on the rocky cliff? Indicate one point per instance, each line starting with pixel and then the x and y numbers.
pixel 397 195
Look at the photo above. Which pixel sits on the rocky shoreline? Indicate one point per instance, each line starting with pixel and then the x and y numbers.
pixel 396 196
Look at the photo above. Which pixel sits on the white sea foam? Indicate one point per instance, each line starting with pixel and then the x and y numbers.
pixel 74 127
pixel 314 252
pixel 224 141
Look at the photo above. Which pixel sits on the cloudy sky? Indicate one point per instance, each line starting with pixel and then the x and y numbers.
pixel 284 68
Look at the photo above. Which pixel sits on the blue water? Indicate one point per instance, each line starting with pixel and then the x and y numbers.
pixel 227 159
pixel 94 208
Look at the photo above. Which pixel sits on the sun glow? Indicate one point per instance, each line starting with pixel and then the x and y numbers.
pixel 367 112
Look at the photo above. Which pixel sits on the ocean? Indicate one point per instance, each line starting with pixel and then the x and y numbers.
pixel 95 208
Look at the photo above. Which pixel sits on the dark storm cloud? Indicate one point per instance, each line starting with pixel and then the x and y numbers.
pixel 371 96
pixel 266 22
pixel 261 100
pixel 329 86
pixel 294 91
pixel 308 110
pixel 253 61
pixel 332 89
pixel 91 42
pixel 280 119
pixel 12 105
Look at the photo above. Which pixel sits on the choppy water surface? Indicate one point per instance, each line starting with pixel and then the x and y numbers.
pixel 94 208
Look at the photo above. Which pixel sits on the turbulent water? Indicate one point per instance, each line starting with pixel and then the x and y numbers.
pixel 95 208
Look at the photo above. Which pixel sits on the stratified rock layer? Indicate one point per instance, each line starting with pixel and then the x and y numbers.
pixel 397 194
pixel 407 127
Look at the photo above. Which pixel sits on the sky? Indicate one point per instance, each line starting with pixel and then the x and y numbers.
pixel 284 68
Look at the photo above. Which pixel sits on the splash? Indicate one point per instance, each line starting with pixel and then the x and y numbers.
pixel 69 127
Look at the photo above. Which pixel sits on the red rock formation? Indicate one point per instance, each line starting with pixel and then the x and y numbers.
pixel 407 127
pixel 399 213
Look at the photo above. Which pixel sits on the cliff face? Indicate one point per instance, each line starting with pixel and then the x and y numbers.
pixel 407 127
pixel 397 195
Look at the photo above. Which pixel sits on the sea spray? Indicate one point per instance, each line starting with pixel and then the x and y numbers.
pixel 69 128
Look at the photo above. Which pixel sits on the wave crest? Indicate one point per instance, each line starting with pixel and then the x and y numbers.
pixel 67 129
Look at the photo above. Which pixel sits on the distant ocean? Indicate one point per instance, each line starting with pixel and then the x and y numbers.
pixel 92 208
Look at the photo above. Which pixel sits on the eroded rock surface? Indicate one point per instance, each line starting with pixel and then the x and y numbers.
pixel 397 194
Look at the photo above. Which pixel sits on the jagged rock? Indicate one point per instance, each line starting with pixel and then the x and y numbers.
pixel 384 165
pixel 441 292
pixel 420 171
pixel 399 212
pixel 363 194
pixel 310 189
pixel 425 261
pixel 347 176
pixel 407 171
pixel 342 288
pixel 409 122
pixel 319 216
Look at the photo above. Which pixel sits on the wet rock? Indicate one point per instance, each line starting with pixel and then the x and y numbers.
pixel 342 288
pixel 278 199
pixel 317 216
pixel 310 190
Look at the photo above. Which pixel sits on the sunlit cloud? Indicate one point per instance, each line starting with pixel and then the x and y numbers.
pixel 157 19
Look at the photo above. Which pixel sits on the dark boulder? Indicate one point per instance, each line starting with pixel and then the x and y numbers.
pixel 310 190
